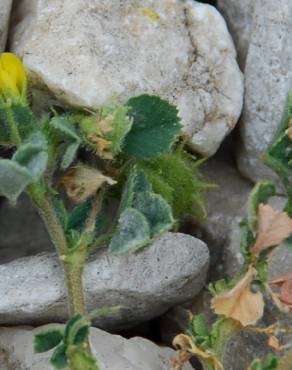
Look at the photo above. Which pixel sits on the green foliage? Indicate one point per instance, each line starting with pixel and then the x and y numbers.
pixel 247 240
pixel 19 116
pixel 200 332
pixel 144 215
pixel 156 126
pixel 121 125
pixel 133 233
pixel 26 166
pixel 176 178
pixel 260 194
pixel 59 358
pixel 65 132
pixel 45 341
pixel 270 363
pixel 279 154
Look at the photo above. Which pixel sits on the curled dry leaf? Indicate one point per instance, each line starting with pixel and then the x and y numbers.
pixel 83 182
pixel 240 303
pixel 274 228
pixel 186 345
pixel 284 283
pixel 274 343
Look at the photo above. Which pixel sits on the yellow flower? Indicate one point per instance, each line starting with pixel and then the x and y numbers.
pixel 13 81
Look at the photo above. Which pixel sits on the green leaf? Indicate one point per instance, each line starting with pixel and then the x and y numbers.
pixel 26 166
pixel 199 325
pixel 80 359
pixel 121 125
pixel 246 240
pixel 133 233
pixel 270 363
pixel 4 128
pixel 67 131
pixel 78 216
pixel 45 341
pixel 24 119
pixel 13 179
pixel 59 358
pixel 176 178
pixel 156 210
pixel 156 126
pixel 279 154
pixel 77 330
pixel 260 194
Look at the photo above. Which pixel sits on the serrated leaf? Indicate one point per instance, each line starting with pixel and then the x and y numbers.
pixel 156 126
pixel 45 341
pixel 156 210
pixel 133 232
pixel 67 131
pixel 200 326
pixel 260 194
pixel 59 358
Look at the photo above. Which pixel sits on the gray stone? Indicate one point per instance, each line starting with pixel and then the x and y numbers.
pixel 239 16
pixel 268 78
pixel 225 206
pixel 88 52
pixel 170 272
pixel 113 352
pixel 4 21
pixel 22 232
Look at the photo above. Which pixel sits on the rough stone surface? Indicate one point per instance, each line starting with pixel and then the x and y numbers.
pixel 22 232
pixel 225 206
pixel 171 271
pixel 239 16
pixel 4 21
pixel 112 351
pixel 268 78
pixel 87 52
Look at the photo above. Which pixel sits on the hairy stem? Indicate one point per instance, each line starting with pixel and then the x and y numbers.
pixel 73 271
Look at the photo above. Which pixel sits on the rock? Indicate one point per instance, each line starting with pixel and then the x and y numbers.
pixel 4 21
pixel 22 232
pixel 112 351
pixel 84 53
pixel 170 272
pixel 239 16
pixel 225 206
pixel 268 78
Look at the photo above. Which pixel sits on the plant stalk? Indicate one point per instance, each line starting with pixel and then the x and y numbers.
pixel 73 272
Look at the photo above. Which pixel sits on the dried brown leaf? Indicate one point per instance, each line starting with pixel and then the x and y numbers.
pixel 284 283
pixel 240 303
pixel 274 228
pixel 83 182
pixel 274 343
pixel 186 345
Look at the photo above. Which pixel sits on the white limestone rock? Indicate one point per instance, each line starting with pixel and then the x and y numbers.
pixel 171 271
pixel 113 352
pixel 5 9
pixel 268 78
pixel 87 52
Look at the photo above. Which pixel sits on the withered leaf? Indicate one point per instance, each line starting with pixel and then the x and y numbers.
pixel 240 303
pixel 274 228
pixel 82 182
pixel 274 343
pixel 186 345
pixel 285 285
